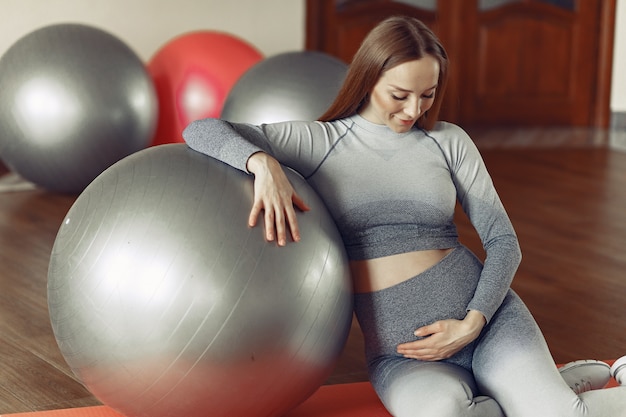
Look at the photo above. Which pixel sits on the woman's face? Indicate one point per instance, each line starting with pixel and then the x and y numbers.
pixel 402 94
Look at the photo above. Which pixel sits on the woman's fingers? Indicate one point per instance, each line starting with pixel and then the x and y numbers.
pixel 278 218
pixel 276 197
pixel 275 222
pixel 257 207
pixel 292 219
pixel 440 340
pixel 299 202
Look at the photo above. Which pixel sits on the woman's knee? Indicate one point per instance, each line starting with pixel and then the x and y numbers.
pixel 442 402
pixel 437 390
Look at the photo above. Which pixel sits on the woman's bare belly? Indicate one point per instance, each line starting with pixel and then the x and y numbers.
pixel 380 273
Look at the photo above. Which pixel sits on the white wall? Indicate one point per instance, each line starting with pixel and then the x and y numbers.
pixel 618 86
pixel 272 26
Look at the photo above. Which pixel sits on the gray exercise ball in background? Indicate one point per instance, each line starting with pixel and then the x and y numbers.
pixel 74 99
pixel 165 303
pixel 289 86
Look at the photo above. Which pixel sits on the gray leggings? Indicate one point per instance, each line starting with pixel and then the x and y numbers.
pixel 508 371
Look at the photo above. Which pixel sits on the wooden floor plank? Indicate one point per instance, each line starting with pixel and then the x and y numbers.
pixel 34 383
pixel 567 206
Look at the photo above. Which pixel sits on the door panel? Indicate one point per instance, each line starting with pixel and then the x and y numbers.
pixel 513 62
pixel 532 66
pixel 343 24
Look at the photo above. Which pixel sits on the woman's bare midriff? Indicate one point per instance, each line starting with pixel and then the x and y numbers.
pixel 380 273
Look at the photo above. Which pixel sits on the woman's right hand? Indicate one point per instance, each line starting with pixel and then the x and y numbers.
pixel 274 194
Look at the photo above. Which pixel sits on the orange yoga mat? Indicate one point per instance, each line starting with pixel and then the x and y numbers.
pixel 343 400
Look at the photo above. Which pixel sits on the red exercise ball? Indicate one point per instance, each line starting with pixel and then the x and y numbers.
pixel 193 74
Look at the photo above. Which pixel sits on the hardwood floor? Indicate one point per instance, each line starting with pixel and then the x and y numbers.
pixel 565 192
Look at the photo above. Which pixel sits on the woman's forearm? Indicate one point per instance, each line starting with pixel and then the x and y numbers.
pixel 230 143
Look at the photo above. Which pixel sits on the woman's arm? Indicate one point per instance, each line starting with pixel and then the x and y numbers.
pixel 480 201
pixel 246 148
pixel 231 143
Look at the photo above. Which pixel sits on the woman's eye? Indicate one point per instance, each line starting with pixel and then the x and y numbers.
pixel 431 95
pixel 395 97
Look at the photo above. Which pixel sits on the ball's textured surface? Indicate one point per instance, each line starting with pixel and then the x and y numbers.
pixel 193 73
pixel 74 100
pixel 164 302
pixel 284 87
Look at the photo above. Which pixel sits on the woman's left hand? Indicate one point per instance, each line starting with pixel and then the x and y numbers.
pixel 444 338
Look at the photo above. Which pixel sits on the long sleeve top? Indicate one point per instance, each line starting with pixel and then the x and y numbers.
pixel 388 192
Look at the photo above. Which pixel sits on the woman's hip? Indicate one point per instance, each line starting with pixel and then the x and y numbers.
pixel 390 316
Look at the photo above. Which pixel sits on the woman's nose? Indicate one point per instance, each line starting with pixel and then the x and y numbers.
pixel 413 109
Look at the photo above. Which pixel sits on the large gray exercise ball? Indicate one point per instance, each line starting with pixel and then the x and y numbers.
pixel 288 86
pixel 165 303
pixel 74 100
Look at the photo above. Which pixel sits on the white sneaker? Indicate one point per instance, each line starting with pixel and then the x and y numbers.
pixel 586 375
pixel 618 370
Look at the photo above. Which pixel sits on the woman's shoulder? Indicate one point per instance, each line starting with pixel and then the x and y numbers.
pixel 450 134
pixel 454 141
pixel 314 138
pixel 448 130
pixel 301 124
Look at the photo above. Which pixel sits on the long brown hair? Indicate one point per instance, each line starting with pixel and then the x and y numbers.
pixel 392 42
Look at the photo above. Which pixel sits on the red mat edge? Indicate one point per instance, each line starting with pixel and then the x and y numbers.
pixel 357 399
pixel 95 411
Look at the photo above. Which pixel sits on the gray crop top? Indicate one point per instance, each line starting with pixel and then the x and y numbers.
pixel 388 193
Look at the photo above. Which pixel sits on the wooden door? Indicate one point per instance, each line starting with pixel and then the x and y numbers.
pixel 513 62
